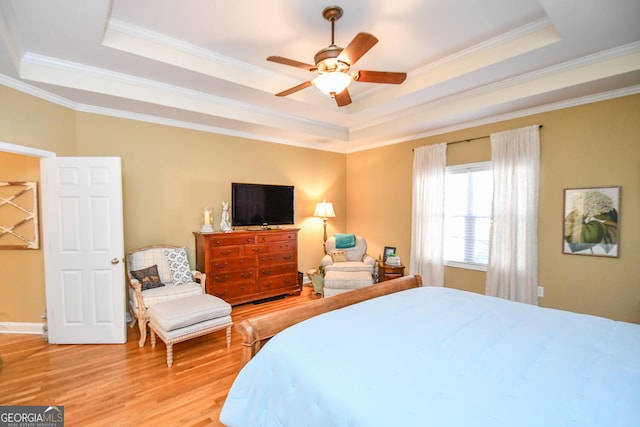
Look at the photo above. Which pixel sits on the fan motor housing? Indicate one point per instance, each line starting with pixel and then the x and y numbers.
pixel 326 59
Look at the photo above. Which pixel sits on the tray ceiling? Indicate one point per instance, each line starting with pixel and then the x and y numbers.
pixel 202 64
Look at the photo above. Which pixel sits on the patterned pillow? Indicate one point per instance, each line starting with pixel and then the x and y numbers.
pixel 148 277
pixel 179 266
pixel 339 256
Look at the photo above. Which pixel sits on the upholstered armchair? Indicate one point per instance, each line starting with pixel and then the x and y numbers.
pixel 156 274
pixel 354 258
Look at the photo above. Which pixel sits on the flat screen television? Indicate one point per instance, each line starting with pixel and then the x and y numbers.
pixel 261 204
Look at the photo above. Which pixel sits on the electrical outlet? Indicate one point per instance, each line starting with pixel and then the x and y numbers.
pixel 541 291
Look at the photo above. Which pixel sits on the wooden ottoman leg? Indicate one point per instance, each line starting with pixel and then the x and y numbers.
pixel 169 355
pixel 153 338
pixel 228 336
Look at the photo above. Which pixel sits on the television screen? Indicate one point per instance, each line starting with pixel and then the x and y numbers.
pixel 261 204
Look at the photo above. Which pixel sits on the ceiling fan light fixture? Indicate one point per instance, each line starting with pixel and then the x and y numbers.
pixel 332 83
pixel 333 64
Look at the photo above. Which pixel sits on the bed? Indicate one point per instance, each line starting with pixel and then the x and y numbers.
pixel 425 356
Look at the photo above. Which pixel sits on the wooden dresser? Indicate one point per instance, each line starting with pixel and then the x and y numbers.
pixel 245 266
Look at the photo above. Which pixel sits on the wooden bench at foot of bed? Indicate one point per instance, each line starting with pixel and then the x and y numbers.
pixel 257 330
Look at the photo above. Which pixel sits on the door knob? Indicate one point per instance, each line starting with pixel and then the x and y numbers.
pixel 115 261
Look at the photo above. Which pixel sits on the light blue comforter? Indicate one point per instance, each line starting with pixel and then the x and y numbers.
pixel 442 357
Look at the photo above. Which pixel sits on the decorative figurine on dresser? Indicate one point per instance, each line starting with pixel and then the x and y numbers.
pixel 249 265
pixel 225 225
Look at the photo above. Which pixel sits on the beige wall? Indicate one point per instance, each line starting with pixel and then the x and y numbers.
pixel 584 146
pixel 170 174
pixel 32 122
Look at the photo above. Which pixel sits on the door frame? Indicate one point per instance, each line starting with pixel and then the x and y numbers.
pixel 33 327
pixel 29 327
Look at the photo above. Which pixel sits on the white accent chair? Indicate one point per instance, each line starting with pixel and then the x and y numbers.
pixel 140 300
pixel 354 272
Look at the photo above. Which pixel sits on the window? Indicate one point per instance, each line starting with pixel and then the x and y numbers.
pixel 467 212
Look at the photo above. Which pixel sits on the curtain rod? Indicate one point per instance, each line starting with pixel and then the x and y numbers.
pixel 471 139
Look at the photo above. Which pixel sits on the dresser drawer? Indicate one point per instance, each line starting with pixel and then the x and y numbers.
pixel 285 281
pixel 274 270
pixel 283 246
pixel 277 257
pixel 231 239
pixel 256 249
pixel 240 263
pixel 277 237
pixel 231 276
pixel 225 252
pixel 232 290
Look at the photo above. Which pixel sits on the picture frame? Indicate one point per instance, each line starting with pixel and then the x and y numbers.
pixel 591 221
pixel 19 215
pixel 388 250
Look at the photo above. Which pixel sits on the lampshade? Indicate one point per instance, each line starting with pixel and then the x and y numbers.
pixel 324 209
pixel 333 82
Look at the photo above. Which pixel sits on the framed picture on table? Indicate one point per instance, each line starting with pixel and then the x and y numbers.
pixel 388 250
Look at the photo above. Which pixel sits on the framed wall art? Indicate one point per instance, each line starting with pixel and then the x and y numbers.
pixel 19 215
pixel 592 221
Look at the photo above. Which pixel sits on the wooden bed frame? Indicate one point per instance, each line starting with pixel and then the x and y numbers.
pixel 258 330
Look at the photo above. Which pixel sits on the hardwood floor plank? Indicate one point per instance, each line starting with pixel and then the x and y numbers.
pixel 124 385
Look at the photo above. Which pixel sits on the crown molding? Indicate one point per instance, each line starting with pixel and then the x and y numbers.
pixel 575 102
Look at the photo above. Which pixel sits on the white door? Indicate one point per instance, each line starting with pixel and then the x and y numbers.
pixel 84 250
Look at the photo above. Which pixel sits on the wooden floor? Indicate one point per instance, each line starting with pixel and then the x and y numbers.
pixel 125 385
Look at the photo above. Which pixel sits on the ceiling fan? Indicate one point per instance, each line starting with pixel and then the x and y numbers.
pixel 333 65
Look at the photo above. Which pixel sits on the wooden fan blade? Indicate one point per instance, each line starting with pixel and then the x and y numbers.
pixel 379 77
pixel 360 45
pixel 343 98
pixel 291 62
pixel 295 89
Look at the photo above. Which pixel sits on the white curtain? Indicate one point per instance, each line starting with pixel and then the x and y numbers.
pixel 512 272
pixel 427 219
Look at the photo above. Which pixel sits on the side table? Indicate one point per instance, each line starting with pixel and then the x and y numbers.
pixel 388 272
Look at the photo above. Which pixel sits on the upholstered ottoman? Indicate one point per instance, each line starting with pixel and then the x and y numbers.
pixel 336 282
pixel 185 318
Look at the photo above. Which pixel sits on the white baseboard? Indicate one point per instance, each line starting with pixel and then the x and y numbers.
pixel 21 327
